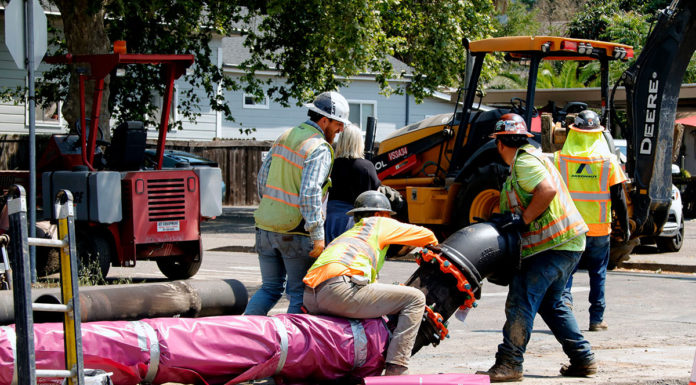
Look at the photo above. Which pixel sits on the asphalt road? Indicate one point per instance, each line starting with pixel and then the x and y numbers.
pixel 651 337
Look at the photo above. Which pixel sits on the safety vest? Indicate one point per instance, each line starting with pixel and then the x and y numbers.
pixel 357 249
pixel 279 209
pixel 558 224
pixel 585 163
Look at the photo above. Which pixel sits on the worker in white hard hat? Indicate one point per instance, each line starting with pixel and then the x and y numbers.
pixel 292 183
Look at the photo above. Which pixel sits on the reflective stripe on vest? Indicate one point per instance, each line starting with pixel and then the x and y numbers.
pixel 357 249
pixel 355 246
pixel 279 209
pixel 279 195
pixel 559 223
pixel 515 202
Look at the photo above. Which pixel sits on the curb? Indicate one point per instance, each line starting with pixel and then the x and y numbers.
pixel 665 268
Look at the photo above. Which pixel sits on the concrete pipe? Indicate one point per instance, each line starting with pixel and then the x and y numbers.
pixel 189 298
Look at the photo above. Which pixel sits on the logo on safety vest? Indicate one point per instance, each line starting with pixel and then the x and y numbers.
pixel 586 169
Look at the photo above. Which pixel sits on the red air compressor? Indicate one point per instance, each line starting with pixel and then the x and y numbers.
pixel 122 212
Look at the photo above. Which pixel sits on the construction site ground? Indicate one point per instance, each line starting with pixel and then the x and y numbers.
pixel 651 312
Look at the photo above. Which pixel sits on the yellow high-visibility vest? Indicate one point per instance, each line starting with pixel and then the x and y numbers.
pixel 279 209
pixel 558 224
pixel 589 169
pixel 358 249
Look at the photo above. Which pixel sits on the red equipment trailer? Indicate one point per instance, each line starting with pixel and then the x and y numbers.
pixel 124 213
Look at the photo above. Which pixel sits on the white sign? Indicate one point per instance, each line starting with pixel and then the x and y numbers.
pixel 165 226
pixel 16 34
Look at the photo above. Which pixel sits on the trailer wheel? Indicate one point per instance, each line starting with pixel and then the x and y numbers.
pixel 94 253
pixel 181 267
pixel 479 196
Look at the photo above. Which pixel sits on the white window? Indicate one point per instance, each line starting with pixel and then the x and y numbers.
pixel 360 110
pixel 46 116
pixel 158 99
pixel 49 115
pixel 253 101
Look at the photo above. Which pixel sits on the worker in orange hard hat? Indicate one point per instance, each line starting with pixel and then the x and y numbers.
pixel 552 237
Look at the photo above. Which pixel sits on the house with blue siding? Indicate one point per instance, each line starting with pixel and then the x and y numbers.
pixel 267 118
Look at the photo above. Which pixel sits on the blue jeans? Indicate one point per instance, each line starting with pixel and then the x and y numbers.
pixel 537 287
pixel 280 256
pixel 595 259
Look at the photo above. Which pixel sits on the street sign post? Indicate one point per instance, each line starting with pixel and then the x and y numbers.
pixel 26 39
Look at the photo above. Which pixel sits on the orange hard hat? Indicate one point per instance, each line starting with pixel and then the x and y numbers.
pixel 511 124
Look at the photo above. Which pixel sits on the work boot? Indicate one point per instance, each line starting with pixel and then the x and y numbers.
pixel 598 327
pixel 395 370
pixel 503 372
pixel 580 370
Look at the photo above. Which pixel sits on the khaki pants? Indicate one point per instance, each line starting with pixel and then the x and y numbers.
pixel 343 298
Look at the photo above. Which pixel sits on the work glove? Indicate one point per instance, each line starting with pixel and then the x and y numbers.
pixel 511 222
pixel 434 248
pixel 395 198
pixel 318 248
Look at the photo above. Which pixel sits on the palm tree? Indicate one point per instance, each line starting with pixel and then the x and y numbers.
pixel 568 75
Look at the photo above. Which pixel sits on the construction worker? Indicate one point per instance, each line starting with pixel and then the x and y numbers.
pixel 537 204
pixel 341 281
pixel 594 179
pixel 292 183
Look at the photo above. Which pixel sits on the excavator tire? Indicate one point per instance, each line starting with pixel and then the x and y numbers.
pixel 179 267
pixel 479 196
pixel 94 254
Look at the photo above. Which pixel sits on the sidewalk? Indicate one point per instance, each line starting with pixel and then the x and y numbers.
pixel 234 231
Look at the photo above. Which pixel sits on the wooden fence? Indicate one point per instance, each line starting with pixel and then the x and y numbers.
pixel 239 161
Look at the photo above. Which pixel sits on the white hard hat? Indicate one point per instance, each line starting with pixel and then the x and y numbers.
pixel 332 105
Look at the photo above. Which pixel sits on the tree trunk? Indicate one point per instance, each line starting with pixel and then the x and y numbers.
pixel 85 33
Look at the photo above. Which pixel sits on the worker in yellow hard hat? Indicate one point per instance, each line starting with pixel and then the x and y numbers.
pixel 595 180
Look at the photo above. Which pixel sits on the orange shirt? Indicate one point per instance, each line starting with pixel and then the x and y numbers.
pixel 391 232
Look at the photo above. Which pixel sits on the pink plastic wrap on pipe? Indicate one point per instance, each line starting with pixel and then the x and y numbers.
pixel 215 350
pixel 430 379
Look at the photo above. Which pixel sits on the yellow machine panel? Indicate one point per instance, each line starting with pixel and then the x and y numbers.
pixel 430 205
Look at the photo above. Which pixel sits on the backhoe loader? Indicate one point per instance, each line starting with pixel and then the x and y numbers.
pixel 450 174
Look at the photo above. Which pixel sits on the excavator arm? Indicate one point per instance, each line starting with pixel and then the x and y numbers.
pixel 652 90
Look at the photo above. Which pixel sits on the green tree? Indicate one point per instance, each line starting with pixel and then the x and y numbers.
pixel 520 19
pixel 590 22
pixel 317 45
pixel 622 21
